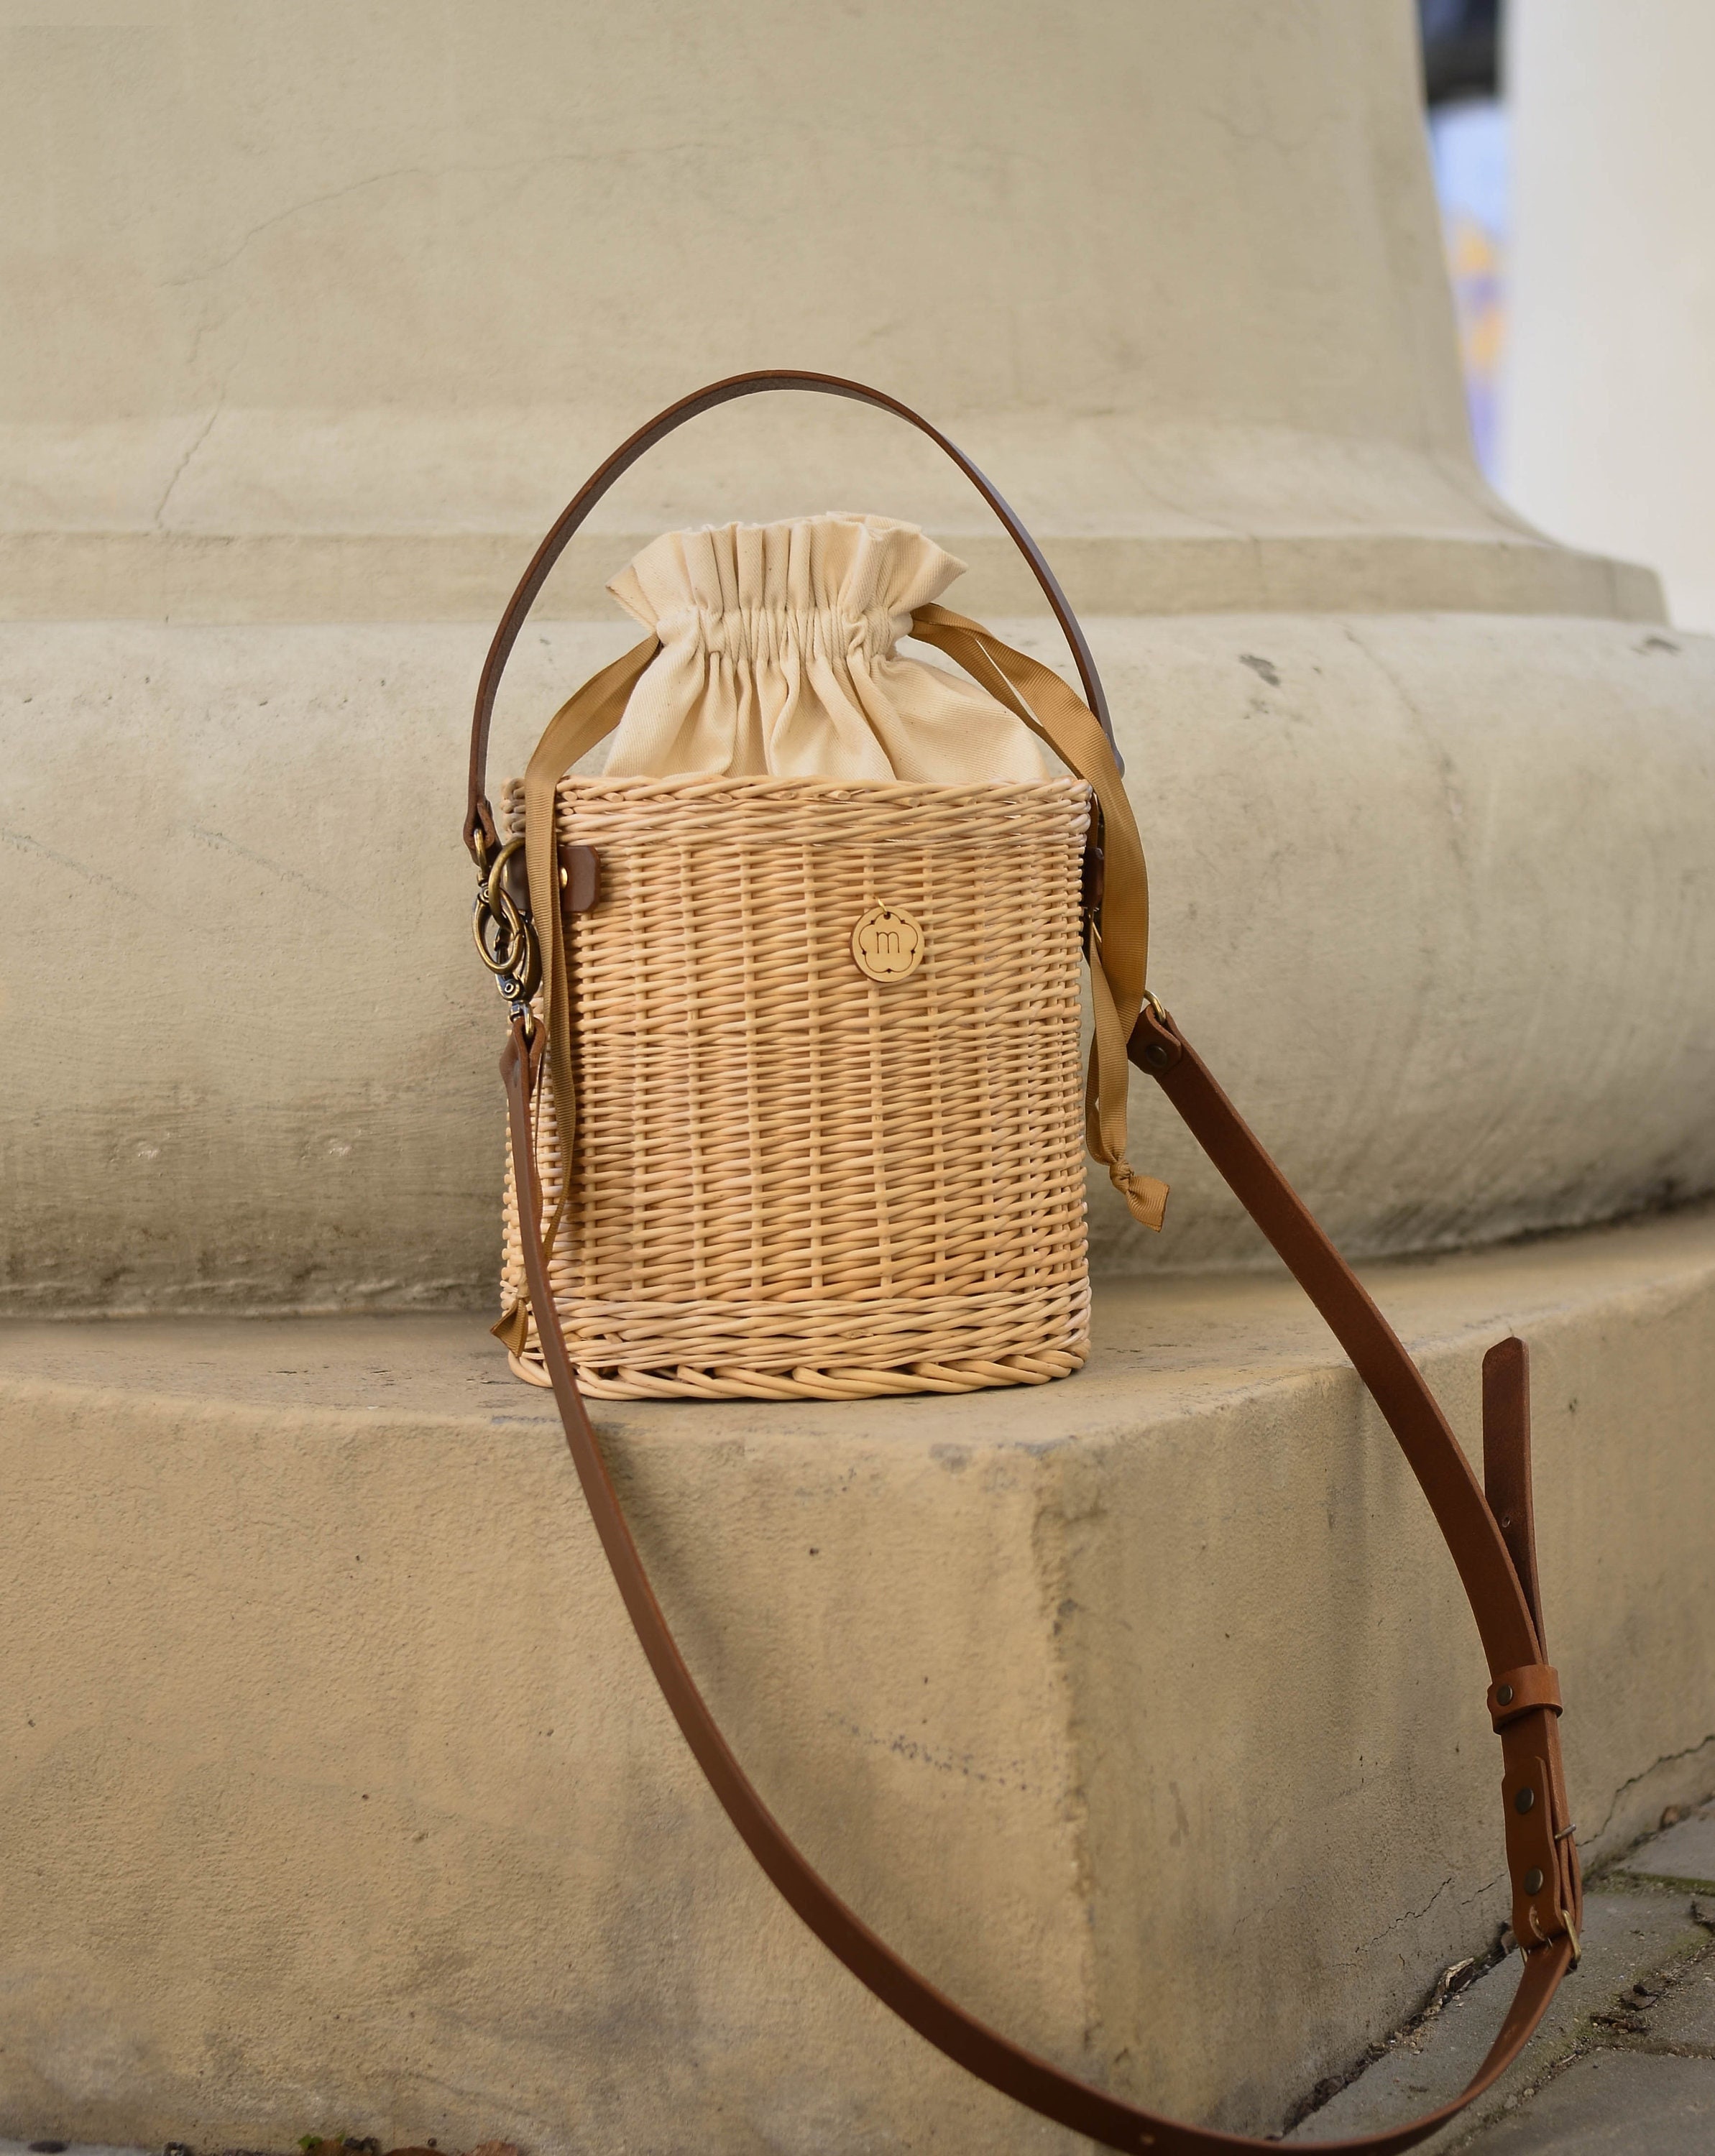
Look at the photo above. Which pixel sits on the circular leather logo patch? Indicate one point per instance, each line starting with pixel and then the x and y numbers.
pixel 887 944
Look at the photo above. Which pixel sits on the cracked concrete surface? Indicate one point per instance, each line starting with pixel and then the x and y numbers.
pixel 191 447
pixel 1623 2062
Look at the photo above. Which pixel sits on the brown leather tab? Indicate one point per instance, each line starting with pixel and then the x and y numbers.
pixel 1506 1465
pixel 1515 1692
pixel 580 878
pixel 1154 1046
pixel 1524 1703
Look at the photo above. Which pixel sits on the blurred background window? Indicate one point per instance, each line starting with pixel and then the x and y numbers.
pixel 1469 148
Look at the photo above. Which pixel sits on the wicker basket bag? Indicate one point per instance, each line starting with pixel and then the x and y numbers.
pixel 814 1116
pixel 792 1100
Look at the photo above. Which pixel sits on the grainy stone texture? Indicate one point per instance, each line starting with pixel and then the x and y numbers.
pixel 1616 2103
pixel 72 2147
pixel 1626 1935
pixel 1686 1851
pixel 298 330
pixel 1685 2020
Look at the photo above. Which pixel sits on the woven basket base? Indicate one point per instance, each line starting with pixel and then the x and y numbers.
pixel 732 1384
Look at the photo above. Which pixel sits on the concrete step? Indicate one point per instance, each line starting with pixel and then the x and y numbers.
pixel 1143 1709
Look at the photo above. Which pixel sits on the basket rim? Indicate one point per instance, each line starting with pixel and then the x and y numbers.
pixel 715 785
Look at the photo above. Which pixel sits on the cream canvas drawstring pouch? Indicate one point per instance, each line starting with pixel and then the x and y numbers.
pixel 779 657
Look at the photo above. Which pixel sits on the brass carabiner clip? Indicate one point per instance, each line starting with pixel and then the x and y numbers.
pixel 505 941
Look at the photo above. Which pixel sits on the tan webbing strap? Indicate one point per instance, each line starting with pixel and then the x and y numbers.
pixel 1530 1745
pixel 1119 946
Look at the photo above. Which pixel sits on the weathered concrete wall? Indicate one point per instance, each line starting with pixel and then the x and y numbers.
pixel 322 313
pixel 337 1790
pixel 326 272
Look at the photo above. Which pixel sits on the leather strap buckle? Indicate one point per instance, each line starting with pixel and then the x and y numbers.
pixel 1542 1845
pixel 1155 1044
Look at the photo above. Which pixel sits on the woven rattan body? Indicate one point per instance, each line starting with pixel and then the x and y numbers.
pixel 790 1180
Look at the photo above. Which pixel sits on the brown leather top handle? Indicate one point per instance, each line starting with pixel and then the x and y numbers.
pixel 1489 1533
pixel 479 817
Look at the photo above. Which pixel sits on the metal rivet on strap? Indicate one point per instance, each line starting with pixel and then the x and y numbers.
pixel 1532 1882
pixel 1503 1694
pixel 1524 1800
pixel 1157 1056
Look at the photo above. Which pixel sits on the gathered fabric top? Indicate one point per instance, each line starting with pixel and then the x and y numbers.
pixel 778 659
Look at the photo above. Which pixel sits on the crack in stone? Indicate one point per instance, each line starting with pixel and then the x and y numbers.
pixel 1667 1760
pixel 178 470
pixel 296 209
pixel 26 843
pixel 261 861
pixel 1408 1916
pixel 518 166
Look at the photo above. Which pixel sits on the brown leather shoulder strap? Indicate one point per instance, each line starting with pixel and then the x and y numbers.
pixel 1490 1536
pixel 479 836
pixel 1523 1699
pixel 1496 1561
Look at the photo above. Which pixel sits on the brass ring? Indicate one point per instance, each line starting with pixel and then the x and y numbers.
pixel 492 897
pixel 503 857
